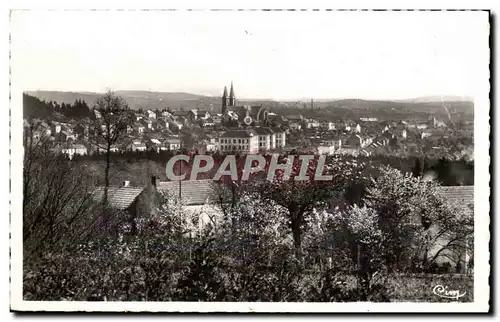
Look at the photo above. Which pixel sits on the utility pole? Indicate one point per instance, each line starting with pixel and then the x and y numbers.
pixel 180 169
pixel 180 183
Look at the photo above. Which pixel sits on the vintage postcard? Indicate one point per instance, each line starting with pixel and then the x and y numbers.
pixel 250 160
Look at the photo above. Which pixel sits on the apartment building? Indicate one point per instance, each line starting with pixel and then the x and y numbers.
pixel 245 141
pixel 267 138
pixel 280 138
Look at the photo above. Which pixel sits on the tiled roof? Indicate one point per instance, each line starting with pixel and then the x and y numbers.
pixel 238 134
pixel 193 192
pixel 294 117
pixel 172 141
pixel 459 194
pixel 119 197
pixel 181 113
pixel 277 130
pixel 263 130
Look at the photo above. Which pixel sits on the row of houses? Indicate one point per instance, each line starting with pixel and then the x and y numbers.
pixel 353 143
pixel 247 140
pixel 250 140
pixel 299 122
pixel 135 145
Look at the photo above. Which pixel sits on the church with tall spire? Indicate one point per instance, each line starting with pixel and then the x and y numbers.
pixel 228 101
pixel 245 115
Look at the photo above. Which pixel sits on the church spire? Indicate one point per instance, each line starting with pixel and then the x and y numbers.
pixel 232 97
pixel 224 101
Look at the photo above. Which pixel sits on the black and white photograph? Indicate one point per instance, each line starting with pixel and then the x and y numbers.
pixel 250 160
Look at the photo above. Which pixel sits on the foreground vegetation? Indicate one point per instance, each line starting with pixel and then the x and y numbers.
pixel 102 279
pixel 279 241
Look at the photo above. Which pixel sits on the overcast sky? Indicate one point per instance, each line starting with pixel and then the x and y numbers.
pixel 280 55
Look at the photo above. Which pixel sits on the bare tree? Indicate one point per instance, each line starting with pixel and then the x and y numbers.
pixel 109 128
pixel 57 198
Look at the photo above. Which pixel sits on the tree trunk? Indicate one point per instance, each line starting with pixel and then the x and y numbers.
pixel 363 273
pixel 106 187
pixel 106 174
pixel 297 233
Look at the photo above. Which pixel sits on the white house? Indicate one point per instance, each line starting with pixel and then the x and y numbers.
pixel 327 125
pixel 171 144
pixel 368 119
pixel 217 118
pixel 208 122
pixel 312 124
pixel 151 115
pixel 112 148
pixel 97 114
pixel 137 145
pixel 166 114
pixel 71 150
pixel 295 125
pixel 65 136
pixel 326 149
pixel 175 125
pixel 336 143
pixel 139 127
pixel 55 127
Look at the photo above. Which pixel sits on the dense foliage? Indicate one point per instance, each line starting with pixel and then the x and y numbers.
pixel 351 250
pixel 36 108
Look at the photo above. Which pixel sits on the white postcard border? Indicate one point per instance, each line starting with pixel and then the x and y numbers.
pixel 482 235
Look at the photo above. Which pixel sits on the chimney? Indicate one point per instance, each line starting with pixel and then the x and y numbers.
pixel 153 181
pixel 126 183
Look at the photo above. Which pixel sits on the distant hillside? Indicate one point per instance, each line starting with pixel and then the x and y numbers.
pixel 64 97
pixel 147 99
pixel 160 95
pixel 384 110
pixel 445 98
pixel 135 99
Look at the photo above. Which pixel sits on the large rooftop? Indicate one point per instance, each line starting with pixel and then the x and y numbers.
pixel 192 192
pixel 238 134
pixel 119 197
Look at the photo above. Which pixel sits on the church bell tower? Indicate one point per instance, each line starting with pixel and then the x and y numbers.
pixel 232 97
pixel 224 101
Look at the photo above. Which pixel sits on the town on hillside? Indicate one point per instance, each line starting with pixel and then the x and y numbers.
pixel 240 128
